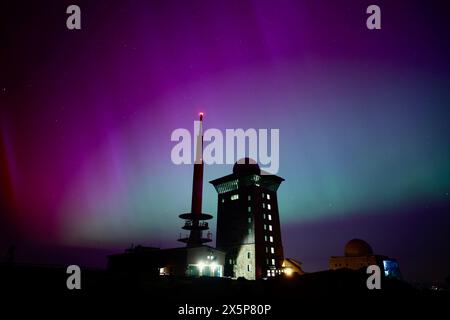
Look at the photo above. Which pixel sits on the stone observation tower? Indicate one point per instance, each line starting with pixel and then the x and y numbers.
pixel 248 222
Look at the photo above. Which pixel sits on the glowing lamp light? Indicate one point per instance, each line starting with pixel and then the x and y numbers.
pixel 200 266
pixel 288 271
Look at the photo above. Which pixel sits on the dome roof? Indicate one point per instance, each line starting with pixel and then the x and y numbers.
pixel 357 248
pixel 246 166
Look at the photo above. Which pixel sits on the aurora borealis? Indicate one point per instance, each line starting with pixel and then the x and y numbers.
pixel 86 119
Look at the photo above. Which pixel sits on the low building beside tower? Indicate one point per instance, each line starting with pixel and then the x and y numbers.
pixel 184 261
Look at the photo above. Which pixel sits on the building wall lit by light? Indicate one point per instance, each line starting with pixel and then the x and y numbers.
pixel 248 223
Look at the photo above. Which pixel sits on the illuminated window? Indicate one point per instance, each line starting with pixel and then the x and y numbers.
pixel 270 227
pixel 249 220
pixel 269 207
pixel 270 217
pixel 268 196
pixel 249 198
pixel 265 238
pixel 223 200
pixel 273 262
pixel 234 197
pixel 271 239
pixel 264 215
pixel 272 250
pixel 265 227
pixel 249 209
pixel 248 255
pixel 267 249
pixel 249 231
pixel 228 186
pixel 263 194
pixel 264 205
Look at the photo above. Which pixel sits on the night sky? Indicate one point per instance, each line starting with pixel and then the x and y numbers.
pixel 86 118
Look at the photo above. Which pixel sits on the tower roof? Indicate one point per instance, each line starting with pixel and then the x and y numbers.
pixel 247 172
pixel 245 167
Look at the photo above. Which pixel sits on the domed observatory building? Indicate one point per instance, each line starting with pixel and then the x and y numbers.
pixel 248 223
pixel 358 254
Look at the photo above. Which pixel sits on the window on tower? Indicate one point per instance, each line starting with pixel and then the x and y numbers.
pixel 228 186
pixel 272 250
pixel 249 198
pixel 264 205
pixel 268 196
pixel 234 197
pixel 248 255
pixel 270 227
pixel 249 209
pixel 270 217
pixel 269 207
pixel 271 239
